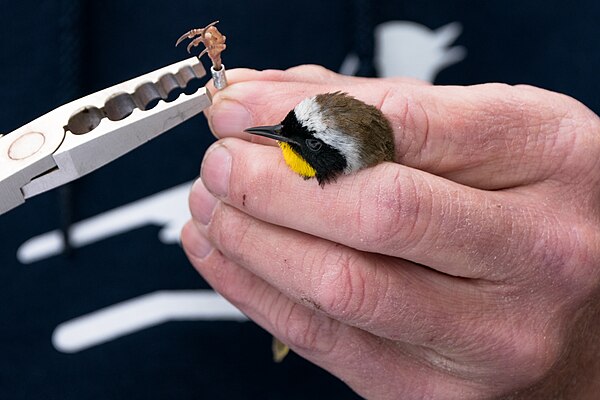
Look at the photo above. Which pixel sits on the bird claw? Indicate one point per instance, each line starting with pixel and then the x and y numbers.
pixel 192 34
pixel 187 35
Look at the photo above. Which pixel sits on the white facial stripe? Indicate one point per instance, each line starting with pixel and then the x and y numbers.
pixel 308 113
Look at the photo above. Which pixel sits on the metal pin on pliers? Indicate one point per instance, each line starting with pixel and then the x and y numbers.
pixel 83 135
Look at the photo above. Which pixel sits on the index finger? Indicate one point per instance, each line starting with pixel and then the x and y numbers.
pixel 487 136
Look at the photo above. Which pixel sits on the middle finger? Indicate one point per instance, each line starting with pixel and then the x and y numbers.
pixel 388 209
pixel 390 298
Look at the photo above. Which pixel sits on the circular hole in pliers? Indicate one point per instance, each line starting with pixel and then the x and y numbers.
pixel 189 79
pixel 84 120
pixel 170 87
pixel 146 96
pixel 192 86
pixel 119 106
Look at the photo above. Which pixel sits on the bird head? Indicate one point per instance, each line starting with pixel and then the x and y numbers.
pixel 315 139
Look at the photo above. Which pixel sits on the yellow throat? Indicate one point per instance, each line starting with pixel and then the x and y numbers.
pixel 296 162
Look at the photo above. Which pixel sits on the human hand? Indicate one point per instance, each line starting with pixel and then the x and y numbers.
pixel 468 269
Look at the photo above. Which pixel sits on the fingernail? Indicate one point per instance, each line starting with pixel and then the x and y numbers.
pixel 202 203
pixel 198 246
pixel 216 169
pixel 228 117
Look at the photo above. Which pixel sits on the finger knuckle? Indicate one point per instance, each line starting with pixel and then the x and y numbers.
pixel 552 247
pixel 241 290
pixel 313 70
pixel 580 130
pixel 519 352
pixel 587 258
pixel 394 215
pixel 307 332
pixel 229 229
pixel 535 352
pixel 563 129
pixel 566 255
pixel 272 74
pixel 341 287
pixel 407 112
pixel 574 258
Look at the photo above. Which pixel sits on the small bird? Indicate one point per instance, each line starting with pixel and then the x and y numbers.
pixel 331 134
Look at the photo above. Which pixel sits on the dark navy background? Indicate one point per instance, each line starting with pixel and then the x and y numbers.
pixel 54 51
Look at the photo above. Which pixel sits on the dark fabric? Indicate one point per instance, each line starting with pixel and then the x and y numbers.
pixel 51 52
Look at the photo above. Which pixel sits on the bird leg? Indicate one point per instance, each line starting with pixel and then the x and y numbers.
pixel 213 40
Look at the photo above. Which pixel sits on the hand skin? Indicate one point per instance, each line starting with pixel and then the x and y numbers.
pixel 468 269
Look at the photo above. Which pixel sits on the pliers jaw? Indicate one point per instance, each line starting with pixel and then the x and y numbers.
pixel 87 133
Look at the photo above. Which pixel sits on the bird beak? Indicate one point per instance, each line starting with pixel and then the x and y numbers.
pixel 272 132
